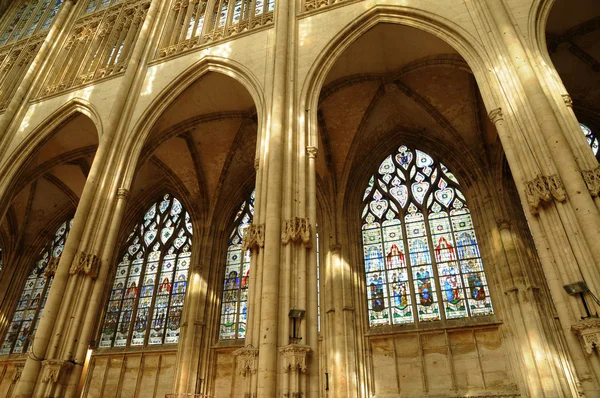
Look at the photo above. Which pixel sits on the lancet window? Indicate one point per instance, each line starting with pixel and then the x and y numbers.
pixel 592 140
pixel 234 307
pixel 99 45
pixel 22 33
pixel 147 295
pixel 422 258
pixel 33 296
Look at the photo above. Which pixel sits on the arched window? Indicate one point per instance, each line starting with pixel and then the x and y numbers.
pixel 237 274
pixel 420 247
pixel 591 138
pixel 146 300
pixel 33 297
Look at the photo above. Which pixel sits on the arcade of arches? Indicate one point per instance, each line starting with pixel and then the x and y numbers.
pixel 164 166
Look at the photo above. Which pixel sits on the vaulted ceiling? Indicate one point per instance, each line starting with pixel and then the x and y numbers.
pixel 398 85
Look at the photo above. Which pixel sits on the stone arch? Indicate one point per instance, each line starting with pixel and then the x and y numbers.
pixel 452 34
pixel 215 64
pixel 11 170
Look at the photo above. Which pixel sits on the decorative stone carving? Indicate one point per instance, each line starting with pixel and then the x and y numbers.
pixel 51 267
pixel 86 264
pixel 503 223
pixel 294 357
pixel 296 230
pixel 496 115
pixel 592 180
pixel 568 100
pixel 312 152
pixel 53 369
pixel 18 370
pixel 247 360
pixel 254 237
pixel 589 332
pixel 256 163
pixel 543 189
pixel 123 193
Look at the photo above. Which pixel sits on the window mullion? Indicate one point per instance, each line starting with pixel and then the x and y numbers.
pixel 434 264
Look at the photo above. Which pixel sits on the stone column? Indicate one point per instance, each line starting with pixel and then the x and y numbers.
pixel 19 98
pixel 584 208
pixel 312 309
pixel 99 172
pixel 269 309
pixel 339 367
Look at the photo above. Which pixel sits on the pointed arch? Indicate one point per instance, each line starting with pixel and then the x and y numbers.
pixel 169 93
pixel 34 294
pixel 421 254
pixel 451 33
pixel 148 291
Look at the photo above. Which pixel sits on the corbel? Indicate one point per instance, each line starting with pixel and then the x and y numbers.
pixel 297 230
pixel 592 180
pixel 254 237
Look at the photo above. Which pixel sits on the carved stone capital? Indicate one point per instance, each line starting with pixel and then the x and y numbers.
pixel 256 163
pixel 589 333
pixel 296 230
pixel 294 357
pixel 53 370
pixel 123 193
pixel 51 267
pixel 312 151
pixel 85 264
pixel 247 360
pixel 543 189
pixel 496 115
pixel 568 100
pixel 18 370
pixel 254 237
pixel 592 180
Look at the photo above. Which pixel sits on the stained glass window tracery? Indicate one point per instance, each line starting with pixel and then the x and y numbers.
pixel 422 259
pixel 592 140
pixel 237 277
pixel 148 292
pixel 34 294
pixel 27 18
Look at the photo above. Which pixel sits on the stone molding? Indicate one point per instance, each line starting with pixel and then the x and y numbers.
pixel 592 180
pixel 335 248
pixel 589 332
pixel 51 267
pixel 294 357
pixel 503 223
pixel 254 237
pixel 256 164
pixel 52 370
pixel 297 230
pixel 247 360
pixel 85 264
pixel 543 189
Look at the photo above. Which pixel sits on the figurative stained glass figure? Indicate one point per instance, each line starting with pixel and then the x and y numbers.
pixel 125 322
pixel 140 322
pixel 476 287
pixel 467 246
pixel 180 285
pixel 373 259
pixel 395 258
pixel 174 318
pixel 451 289
pixel 245 279
pixel 165 286
pixel 400 295
pixel 111 323
pixel 424 287
pixel 377 301
pixel 131 291
pixel 444 251
pixel 35 301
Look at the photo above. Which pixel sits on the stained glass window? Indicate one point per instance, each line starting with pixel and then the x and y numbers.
pixel 146 300
pixel 591 138
pixel 237 273
pixel 28 17
pixel 422 260
pixel 34 295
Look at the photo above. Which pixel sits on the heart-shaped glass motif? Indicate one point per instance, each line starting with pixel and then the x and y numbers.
pixel 149 236
pixel 445 196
